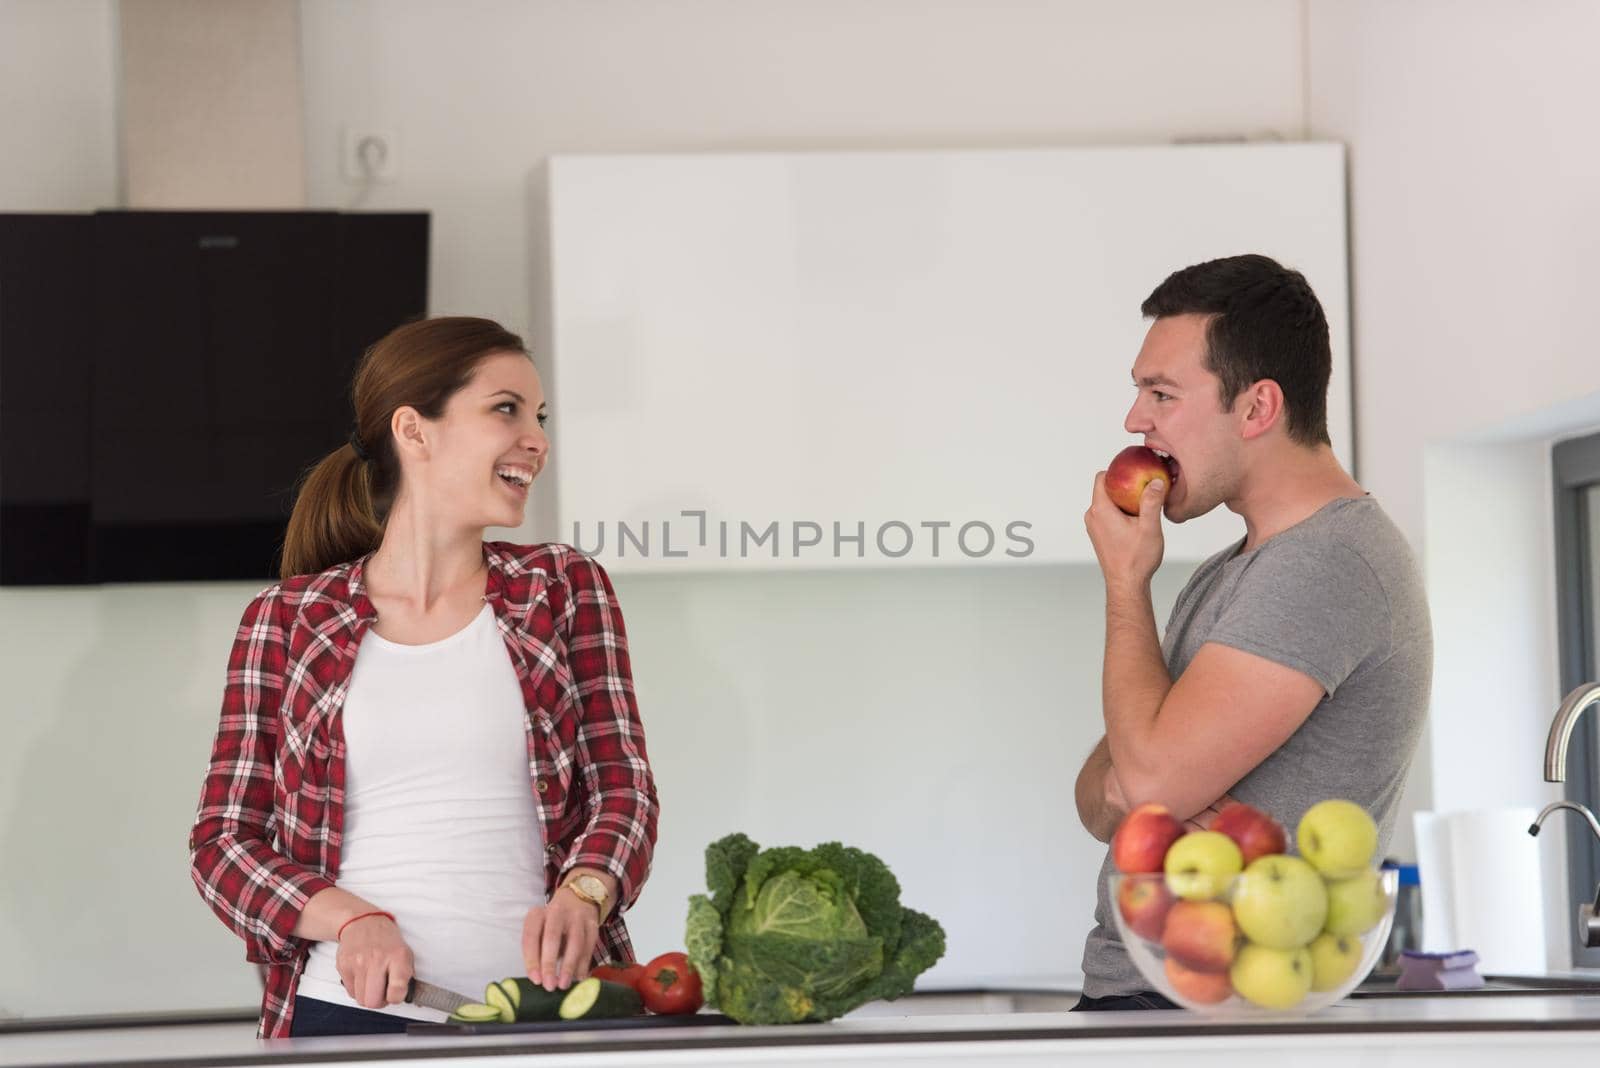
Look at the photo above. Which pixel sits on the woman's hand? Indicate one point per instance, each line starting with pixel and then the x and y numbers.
pixel 558 940
pixel 374 962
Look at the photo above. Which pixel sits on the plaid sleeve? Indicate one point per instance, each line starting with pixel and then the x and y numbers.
pixel 256 891
pixel 621 832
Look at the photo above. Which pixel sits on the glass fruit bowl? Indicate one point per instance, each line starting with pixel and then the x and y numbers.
pixel 1278 939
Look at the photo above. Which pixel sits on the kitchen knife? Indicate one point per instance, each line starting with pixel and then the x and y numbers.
pixel 434 997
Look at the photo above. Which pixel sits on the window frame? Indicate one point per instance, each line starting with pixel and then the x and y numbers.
pixel 1576 468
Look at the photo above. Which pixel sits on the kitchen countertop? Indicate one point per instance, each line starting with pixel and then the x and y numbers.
pixel 1557 1028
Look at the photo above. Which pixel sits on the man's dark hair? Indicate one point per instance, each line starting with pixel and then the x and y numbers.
pixel 1265 323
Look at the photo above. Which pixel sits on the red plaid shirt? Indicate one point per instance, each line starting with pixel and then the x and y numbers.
pixel 269 827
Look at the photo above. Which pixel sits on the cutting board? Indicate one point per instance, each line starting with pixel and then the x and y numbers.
pixel 629 1023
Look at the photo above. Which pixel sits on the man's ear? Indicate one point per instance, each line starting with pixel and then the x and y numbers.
pixel 1263 407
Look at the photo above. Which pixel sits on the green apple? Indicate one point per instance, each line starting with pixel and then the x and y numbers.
pixel 1280 902
pixel 1333 960
pixel 1200 865
pixel 1271 978
pixel 1356 905
pixel 1337 837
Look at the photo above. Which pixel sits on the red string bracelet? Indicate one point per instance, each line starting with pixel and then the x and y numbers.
pixel 375 912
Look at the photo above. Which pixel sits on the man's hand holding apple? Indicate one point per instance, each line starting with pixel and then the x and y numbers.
pixel 1129 547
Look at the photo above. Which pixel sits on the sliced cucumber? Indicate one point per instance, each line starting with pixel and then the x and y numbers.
pixel 495 996
pixel 513 991
pixel 535 1004
pixel 596 999
pixel 475 1013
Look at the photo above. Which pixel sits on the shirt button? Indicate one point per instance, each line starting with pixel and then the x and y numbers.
pixel 542 786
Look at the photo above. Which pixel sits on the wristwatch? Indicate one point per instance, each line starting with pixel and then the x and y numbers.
pixel 591 889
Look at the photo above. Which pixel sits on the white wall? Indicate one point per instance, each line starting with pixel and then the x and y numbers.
pixel 1489 573
pixel 110 700
pixel 854 706
pixel 479 94
pixel 478 98
pixel 58 114
pixel 1472 180
pixel 1489 580
pixel 1472 241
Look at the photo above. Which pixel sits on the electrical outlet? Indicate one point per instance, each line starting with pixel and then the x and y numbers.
pixel 368 154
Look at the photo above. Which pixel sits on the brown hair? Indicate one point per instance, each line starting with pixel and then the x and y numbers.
pixel 342 503
pixel 1265 323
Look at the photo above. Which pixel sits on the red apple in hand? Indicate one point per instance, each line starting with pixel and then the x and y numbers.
pixel 1256 833
pixel 1144 901
pixel 1130 471
pixel 1201 935
pixel 1141 841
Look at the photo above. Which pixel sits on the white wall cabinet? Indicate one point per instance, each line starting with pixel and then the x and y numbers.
pixel 872 339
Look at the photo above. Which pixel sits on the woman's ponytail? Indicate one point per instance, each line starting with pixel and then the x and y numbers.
pixel 333 519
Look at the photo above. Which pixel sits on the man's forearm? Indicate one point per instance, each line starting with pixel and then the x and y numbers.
pixel 1099 796
pixel 1134 683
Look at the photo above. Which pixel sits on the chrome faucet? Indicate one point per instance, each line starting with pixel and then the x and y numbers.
pixel 1555 770
pixel 1594 824
pixel 1555 748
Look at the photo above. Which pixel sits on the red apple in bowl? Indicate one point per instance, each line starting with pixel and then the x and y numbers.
pixel 1253 831
pixel 1143 837
pixel 1130 471
pixel 1144 901
pixel 1208 988
pixel 1201 935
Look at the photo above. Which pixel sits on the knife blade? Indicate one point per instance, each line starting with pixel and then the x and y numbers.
pixel 434 997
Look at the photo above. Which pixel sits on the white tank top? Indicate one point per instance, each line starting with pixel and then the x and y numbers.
pixel 439 821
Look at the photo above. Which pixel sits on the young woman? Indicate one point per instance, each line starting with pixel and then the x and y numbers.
pixel 430 761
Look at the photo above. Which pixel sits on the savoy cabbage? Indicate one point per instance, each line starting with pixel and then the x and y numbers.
pixel 790 935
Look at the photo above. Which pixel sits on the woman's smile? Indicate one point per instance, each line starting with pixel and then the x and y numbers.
pixel 516 478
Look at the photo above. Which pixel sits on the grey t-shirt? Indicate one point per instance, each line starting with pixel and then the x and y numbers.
pixel 1339 597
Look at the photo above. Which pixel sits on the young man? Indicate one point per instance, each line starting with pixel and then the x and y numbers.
pixel 1297 662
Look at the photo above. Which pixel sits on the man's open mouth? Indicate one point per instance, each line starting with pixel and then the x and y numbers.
pixel 1170 461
